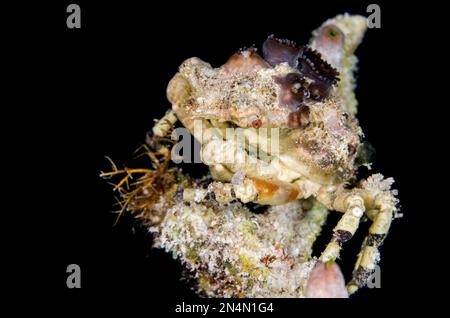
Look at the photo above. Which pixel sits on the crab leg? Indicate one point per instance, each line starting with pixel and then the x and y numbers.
pixel 163 126
pixel 378 201
pixel 369 255
pixel 346 227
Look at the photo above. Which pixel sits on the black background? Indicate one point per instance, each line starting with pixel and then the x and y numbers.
pixel 95 91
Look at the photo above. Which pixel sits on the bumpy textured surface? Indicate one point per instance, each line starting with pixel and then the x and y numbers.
pixel 236 253
pixel 308 93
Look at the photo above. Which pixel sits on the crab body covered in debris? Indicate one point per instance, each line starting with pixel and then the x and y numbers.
pixel 317 138
pixel 277 129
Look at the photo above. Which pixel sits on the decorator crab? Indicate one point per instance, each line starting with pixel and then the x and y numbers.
pixel 294 107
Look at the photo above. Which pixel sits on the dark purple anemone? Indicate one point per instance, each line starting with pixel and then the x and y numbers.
pixel 314 67
pixel 293 90
pixel 276 51
pixel 309 63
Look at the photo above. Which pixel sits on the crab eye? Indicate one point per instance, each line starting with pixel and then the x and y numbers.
pixel 255 122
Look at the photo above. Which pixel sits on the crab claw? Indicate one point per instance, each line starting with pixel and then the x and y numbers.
pixel 274 192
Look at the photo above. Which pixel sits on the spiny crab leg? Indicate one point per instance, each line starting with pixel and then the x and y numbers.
pixel 345 229
pixel 369 254
pixel 374 196
pixel 164 126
